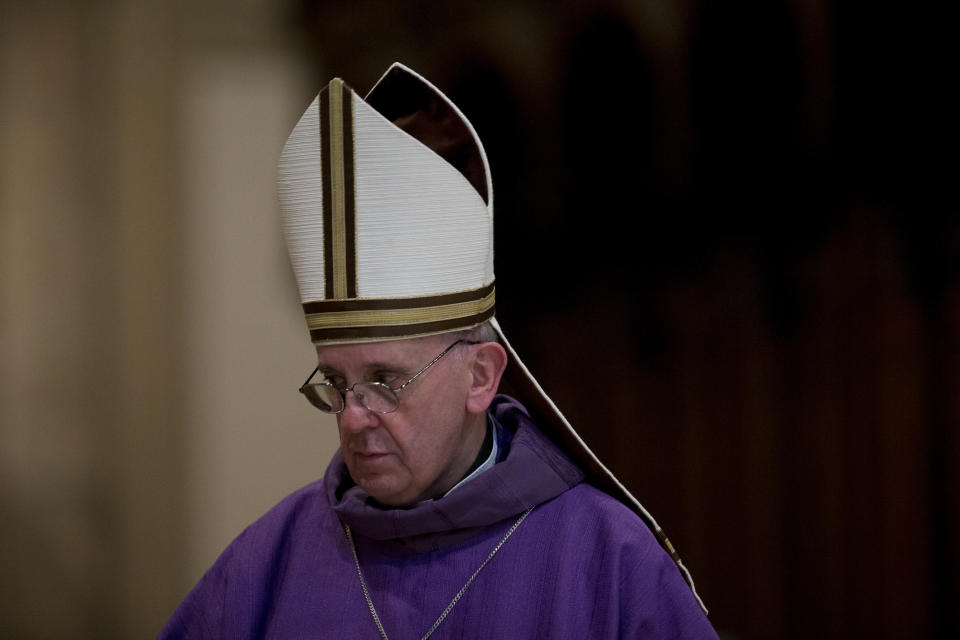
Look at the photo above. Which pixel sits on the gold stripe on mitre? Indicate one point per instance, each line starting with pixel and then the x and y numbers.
pixel 339 199
pixel 383 318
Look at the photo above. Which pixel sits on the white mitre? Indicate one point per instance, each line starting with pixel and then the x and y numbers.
pixel 387 208
pixel 387 239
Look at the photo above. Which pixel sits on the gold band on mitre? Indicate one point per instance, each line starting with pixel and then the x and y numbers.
pixel 360 319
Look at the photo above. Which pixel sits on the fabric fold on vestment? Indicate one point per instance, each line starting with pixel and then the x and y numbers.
pixel 534 472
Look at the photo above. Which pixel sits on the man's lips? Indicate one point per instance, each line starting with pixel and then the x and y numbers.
pixel 369 456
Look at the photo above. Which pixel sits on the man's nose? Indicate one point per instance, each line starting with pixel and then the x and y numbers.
pixel 355 417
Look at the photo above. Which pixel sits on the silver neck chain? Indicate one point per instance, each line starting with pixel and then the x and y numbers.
pixel 456 598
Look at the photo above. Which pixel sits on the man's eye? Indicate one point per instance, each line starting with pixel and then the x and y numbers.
pixel 385 378
pixel 336 381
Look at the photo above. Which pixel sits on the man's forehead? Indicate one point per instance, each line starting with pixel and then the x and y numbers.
pixel 390 352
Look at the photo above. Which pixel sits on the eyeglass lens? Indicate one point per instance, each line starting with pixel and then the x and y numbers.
pixel 372 395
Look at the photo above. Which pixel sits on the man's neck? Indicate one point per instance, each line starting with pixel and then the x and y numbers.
pixel 484 452
pixel 485 459
pixel 478 440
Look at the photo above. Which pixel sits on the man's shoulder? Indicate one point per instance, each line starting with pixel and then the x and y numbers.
pixel 592 512
pixel 305 500
pixel 590 544
pixel 304 509
pixel 586 499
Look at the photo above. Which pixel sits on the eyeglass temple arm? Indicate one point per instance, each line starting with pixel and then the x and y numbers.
pixel 431 363
pixel 310 377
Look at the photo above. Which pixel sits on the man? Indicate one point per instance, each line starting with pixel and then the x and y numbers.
pixel 449 511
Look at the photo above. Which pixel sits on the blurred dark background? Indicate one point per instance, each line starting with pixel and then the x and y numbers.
pixel 727 243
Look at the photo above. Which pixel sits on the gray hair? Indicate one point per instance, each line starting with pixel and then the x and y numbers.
pixel 480 333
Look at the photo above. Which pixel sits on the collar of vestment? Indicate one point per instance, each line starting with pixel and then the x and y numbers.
pixel 530 470
pixel 488 453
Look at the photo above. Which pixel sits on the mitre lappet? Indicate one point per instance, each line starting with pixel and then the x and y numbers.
pixel 387 207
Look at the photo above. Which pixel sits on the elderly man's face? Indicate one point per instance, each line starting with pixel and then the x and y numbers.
pixel 426 445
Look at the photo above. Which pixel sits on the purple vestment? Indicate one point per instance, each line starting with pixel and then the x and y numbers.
pixel 581 565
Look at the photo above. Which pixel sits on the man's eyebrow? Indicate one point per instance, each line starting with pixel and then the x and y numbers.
pixel 368 367
pixel 381 366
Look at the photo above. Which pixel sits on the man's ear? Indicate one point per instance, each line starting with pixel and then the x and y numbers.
pixel 487 364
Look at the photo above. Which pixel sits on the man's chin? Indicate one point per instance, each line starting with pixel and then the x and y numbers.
pixel 383 489
pixel 372 467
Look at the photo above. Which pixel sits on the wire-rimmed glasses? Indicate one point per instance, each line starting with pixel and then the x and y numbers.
pixel 374 396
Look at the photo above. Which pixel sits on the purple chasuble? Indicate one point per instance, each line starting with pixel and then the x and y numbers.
pixel 581 565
